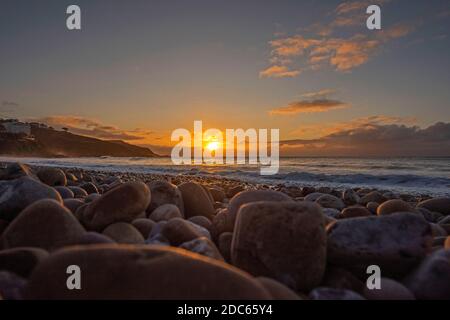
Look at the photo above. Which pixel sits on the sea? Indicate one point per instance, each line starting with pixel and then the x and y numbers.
pixel 411 175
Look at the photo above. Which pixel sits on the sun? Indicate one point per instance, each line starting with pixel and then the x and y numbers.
pixel 213 146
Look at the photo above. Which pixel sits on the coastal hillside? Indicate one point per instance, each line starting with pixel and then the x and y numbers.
pixel 48 142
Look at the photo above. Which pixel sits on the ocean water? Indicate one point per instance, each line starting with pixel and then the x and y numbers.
pixel 409 175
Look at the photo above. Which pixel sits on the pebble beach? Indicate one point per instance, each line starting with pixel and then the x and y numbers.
pixel 162 236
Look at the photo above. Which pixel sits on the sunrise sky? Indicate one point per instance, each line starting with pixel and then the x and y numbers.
pixel 139 69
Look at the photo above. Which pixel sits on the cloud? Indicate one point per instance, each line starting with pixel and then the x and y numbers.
pixel 278 72
pixel 320 49
pixel 374 137
pixel 309 106
pixel 319 94
pixel 93 128
pixel 8 104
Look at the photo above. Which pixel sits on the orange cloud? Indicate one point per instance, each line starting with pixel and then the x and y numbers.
pixel 341 53
pixel 94 128
pixel 309 106
pixel 278 72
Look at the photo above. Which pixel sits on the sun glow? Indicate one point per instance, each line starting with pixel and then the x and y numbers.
pixel 213 145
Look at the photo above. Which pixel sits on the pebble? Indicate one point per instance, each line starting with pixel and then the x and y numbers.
pixel 281 240
pixel 89 187
pixel 224 242
pixel 78 192
pixel 392 206
pixel 196 200
pixel 431 280
pixel 373 196
pixel 313 196
pixel 204 247
pixel 201 221
pixel 15 171
pixel 164 192
pixel 441 205
pixel 354 212
pixel 165 212
pixel 372 207
pixel 92 197
pixel 121 204
pixel 21 261
pixel 141 273
pixel 122 232
pixel 178 231
pixel 52 177
pixel 330 201
pixel 350 197
pixel 92 237
pixel 45 224
pixel 394 242
pixel 12 286
pixel 277 290
pixel 64 192
pixel 16 195
pixel 144 226
pixel 389 290
pixel 217 194
pixel 324 293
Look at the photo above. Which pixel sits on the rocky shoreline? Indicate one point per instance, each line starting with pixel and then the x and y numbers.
pixel 147 236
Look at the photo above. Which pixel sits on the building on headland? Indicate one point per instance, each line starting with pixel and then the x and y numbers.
pixel 17 128
pixel 14 129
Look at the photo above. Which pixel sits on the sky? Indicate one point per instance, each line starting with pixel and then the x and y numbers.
pixel 140 69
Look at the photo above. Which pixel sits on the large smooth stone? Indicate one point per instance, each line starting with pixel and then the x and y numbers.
pixel 141 272
pixel 245 197
pixel 394 242
pixel 441 205
pixel 21 261
pixel 16 195
pixel 431 280
pixel 196 200
pixel 44 224
pixel 281 240
pixel 203 246
pixel 392 206
pixel 122 204
pixel 122 232
pixel 52 176
pixel 165 212
pixel 164 192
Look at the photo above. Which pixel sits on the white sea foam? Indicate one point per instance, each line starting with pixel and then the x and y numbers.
pixel 410 175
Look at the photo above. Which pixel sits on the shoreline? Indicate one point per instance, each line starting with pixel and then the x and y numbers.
pixel 334 176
